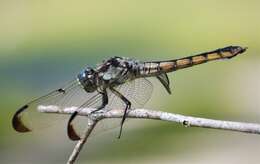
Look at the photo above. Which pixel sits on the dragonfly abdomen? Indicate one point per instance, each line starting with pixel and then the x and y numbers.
pixel 153 68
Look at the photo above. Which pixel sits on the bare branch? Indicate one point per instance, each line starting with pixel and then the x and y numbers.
pixel 164 116
pixel 81 142
pixel 187 121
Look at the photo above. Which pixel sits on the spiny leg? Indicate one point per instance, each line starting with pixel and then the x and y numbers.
pixel 104 101
pixel 128 106
pixel 70 129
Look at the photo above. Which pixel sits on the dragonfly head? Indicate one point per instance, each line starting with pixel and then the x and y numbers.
pixel 87 79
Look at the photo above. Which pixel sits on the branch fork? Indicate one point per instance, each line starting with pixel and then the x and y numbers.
pixel 187 121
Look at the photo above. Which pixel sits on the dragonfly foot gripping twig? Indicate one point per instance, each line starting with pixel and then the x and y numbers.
pixel 187 121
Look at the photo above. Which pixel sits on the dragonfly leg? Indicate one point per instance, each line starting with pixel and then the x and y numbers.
pixel 70 129
pixel 104 101
pixel 128 106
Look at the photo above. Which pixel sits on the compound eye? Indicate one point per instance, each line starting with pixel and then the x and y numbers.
pixel 82 74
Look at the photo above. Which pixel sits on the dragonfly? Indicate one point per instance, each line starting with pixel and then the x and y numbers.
pixel 118 80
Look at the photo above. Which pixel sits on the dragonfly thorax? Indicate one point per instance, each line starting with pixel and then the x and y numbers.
pixel 87 79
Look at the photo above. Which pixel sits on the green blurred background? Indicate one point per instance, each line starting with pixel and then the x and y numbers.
pixel 43 44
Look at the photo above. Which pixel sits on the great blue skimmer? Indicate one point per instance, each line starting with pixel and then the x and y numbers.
pixel 116 80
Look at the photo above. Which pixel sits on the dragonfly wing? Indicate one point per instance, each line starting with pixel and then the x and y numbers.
pixel 141 94
pixel 76 127
pixel 28 118
pixel 137 91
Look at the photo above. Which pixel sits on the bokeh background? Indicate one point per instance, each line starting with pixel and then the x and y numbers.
pixel 43 44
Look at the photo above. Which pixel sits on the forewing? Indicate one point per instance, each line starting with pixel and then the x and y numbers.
pixel 28 118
